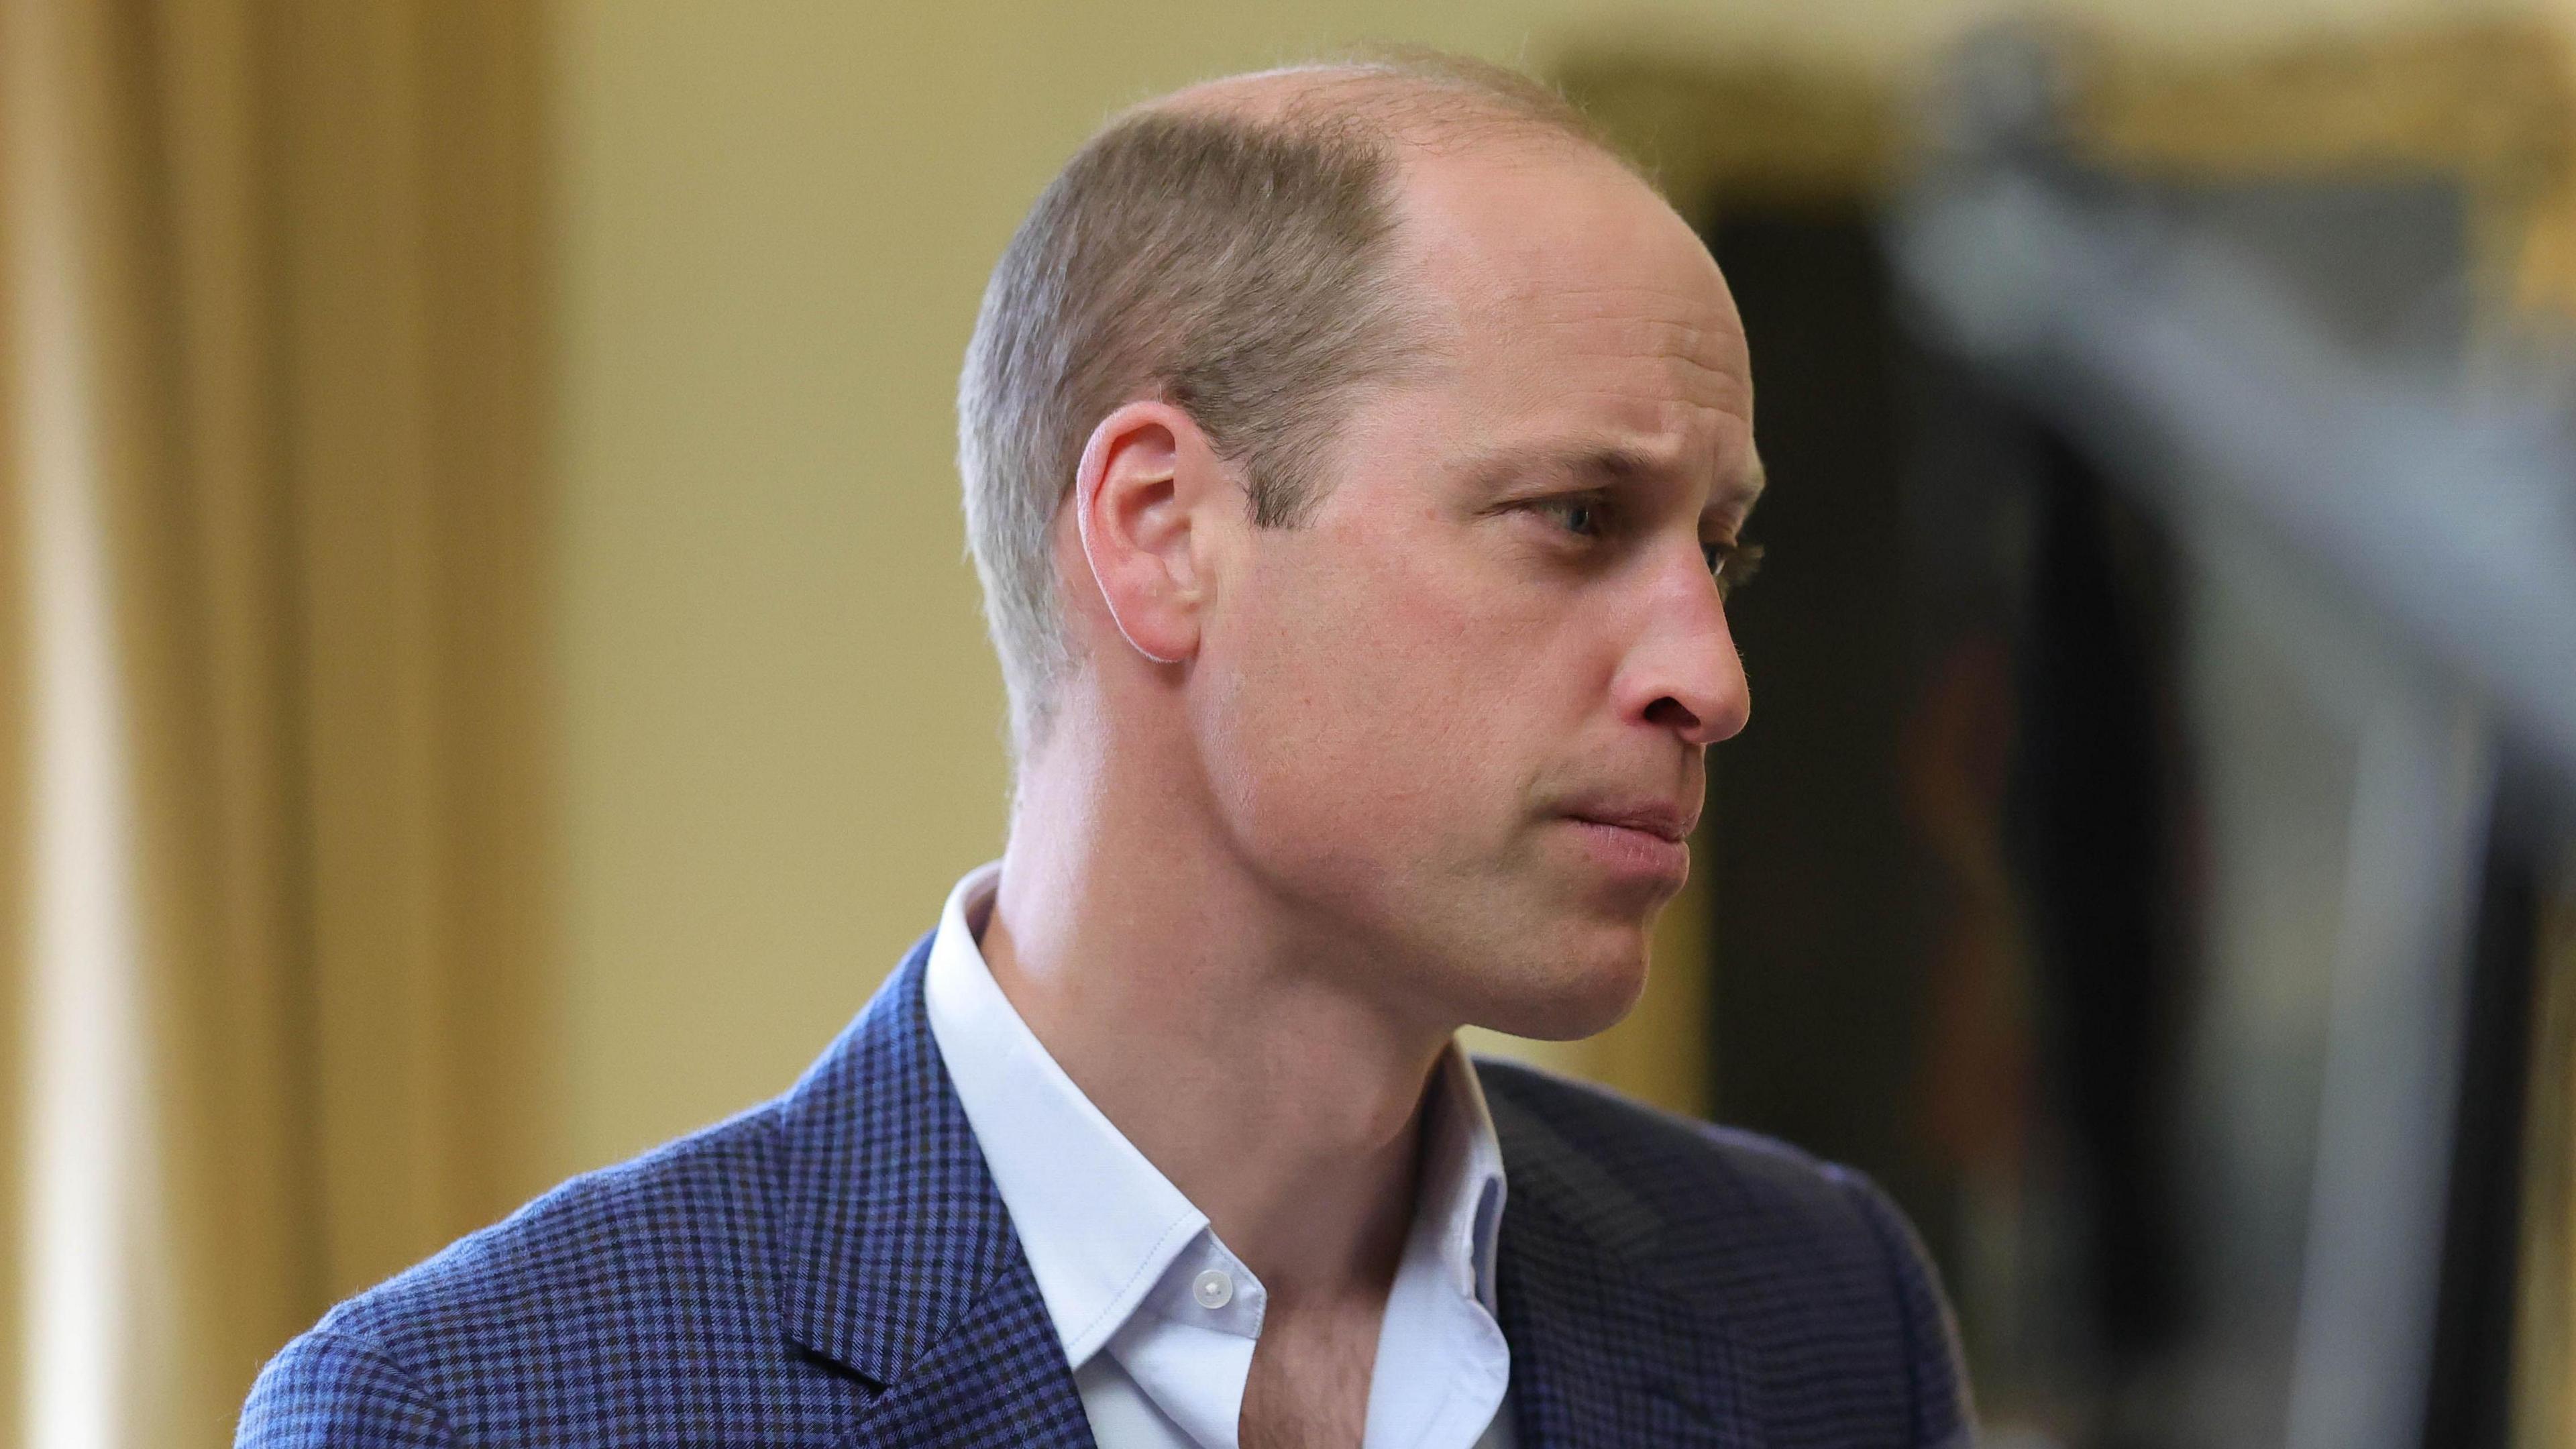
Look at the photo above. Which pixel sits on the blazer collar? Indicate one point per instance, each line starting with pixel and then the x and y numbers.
pixel 1602 1353
pixel 898 1258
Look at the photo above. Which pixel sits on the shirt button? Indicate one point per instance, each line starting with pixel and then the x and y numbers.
pixel 1213 1289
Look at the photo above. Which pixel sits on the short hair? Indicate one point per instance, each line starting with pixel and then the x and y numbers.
pixel 1234 265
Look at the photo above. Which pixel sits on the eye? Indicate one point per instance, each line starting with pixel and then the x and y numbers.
pixel 1580 516
pixel 1731 562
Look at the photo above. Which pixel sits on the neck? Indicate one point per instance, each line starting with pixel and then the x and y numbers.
pixel 1230 1046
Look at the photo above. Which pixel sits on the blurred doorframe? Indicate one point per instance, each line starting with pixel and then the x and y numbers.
pixel 2491 105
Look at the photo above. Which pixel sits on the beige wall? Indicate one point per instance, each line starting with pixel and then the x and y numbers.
pixel 779 714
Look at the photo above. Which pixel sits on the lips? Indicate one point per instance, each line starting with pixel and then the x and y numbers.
pixel 1637 846
pixel 1661 819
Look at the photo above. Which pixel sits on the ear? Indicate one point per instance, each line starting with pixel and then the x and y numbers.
pixel 1140 498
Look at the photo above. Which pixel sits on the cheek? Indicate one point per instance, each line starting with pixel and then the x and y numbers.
pixel 1346 686
pixel 1368 709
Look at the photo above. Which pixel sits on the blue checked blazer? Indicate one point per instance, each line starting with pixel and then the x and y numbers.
pixel 835 1268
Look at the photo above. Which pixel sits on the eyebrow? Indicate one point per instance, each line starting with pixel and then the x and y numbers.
pixel 1738 490
pixel 1744 488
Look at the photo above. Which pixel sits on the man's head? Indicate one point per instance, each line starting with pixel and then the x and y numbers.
pixel 1354 441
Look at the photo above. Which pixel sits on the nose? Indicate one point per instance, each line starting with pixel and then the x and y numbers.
pixel 1681 671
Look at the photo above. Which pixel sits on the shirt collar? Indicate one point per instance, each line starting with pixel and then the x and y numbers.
pixel 1099 1249
pixel 1097 1221
pixel 1460 1199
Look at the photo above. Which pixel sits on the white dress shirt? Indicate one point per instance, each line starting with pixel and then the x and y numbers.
pixel 1157 1318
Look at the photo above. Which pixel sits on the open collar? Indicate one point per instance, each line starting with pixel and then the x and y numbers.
pixel 899 1263
pixel 1095 1257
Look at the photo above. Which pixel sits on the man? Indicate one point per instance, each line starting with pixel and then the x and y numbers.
pixel 1354 458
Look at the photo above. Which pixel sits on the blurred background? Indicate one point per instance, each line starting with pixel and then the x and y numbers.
pixel 492 681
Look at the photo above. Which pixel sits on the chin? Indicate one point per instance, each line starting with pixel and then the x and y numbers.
pixel 1585 988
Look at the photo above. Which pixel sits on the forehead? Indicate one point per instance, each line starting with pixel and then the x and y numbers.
pixel 1566 300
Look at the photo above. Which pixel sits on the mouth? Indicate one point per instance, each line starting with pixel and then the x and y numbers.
pixel 1669 823
pixel 1646 845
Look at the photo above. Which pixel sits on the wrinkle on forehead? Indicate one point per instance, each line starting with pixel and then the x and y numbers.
pixel 1582 312
pixel 1698 361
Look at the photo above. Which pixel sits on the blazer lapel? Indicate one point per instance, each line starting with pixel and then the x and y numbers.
pixel 898 1261
pixel 1602 1355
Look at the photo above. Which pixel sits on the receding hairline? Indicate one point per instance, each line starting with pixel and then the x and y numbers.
pixel 1412 107
pixel 1422 101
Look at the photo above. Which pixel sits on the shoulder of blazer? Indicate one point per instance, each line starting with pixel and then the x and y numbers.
pixel 1646 1180
pixel 1803 1267
pixel 780 1259
pixel 508 1324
